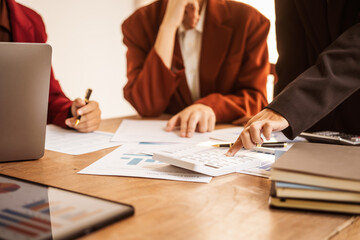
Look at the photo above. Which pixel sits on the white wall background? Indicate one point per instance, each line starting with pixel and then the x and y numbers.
pixel 88 49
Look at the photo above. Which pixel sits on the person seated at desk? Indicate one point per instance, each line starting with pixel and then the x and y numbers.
pixel 319 62
pixel 21 24
pixel 205 61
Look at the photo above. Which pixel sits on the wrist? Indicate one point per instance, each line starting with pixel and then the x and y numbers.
pixel 169 28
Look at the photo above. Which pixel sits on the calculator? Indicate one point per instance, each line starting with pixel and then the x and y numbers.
pixel 332 137
pixel 207 160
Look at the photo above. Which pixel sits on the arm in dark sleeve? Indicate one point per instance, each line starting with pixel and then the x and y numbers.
pixel 321 88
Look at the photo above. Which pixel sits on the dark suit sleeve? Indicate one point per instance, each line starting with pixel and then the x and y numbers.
pixel 322 87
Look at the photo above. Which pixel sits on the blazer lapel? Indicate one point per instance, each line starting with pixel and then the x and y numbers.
pixel 215 43
pixel 21 28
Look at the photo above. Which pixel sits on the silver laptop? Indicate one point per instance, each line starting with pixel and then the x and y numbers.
pixel 24 93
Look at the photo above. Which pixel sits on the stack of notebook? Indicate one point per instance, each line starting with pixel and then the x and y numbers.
pixel 321 177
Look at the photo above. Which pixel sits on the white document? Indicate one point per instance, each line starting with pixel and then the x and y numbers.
pixel 129 160
pixel 263 170
pixel 226 134
pixel 152 131
pixel 75 143
pixel 231 134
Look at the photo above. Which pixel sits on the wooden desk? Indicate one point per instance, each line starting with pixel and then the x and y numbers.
pixel 233 206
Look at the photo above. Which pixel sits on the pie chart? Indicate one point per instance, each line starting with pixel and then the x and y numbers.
pixel 8 187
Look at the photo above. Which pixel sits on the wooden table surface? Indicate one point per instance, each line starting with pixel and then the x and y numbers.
pixel 234 206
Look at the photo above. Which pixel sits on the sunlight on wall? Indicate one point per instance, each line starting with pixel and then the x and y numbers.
pixel 267 8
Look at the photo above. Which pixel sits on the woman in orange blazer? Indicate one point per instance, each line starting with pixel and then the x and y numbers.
pixel 232 66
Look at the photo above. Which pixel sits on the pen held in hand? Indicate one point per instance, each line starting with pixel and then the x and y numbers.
pixel 87 97
pixel 223 145
pixel 268 144
pixel 272 144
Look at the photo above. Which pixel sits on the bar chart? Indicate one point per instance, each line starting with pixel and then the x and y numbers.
pixel 135 159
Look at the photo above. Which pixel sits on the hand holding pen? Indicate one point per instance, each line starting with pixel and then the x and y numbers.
pixel 87 99
pixel 264 122
pixel 86 114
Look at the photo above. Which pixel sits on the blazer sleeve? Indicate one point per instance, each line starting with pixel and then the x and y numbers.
pixel 248 96
pixel 150 83
pixel 59 105
pixel 322 87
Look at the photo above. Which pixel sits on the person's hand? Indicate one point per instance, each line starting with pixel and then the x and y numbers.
pixel 90 116
pixel 197 117
pixel 191 15
pixel 181 11
pixel 264 123
pixel 177 11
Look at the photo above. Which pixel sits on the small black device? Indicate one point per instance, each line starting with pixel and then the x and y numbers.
pixel 332 137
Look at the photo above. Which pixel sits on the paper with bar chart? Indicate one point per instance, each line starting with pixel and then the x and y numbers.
pixel 135 160
pixel 30 211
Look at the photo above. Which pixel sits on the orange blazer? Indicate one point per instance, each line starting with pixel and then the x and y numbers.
pixel 233 62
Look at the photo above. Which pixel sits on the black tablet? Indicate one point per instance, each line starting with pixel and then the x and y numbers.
pixel 33 211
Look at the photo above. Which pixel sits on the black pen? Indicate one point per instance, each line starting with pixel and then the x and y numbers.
pixel 272 144
pixel 267 144
pixel 223 145
pixel 87 97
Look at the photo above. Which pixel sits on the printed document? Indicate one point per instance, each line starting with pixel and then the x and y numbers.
pixel 231 134
pixel 152 131
pixel 75 143
pixel 133 160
